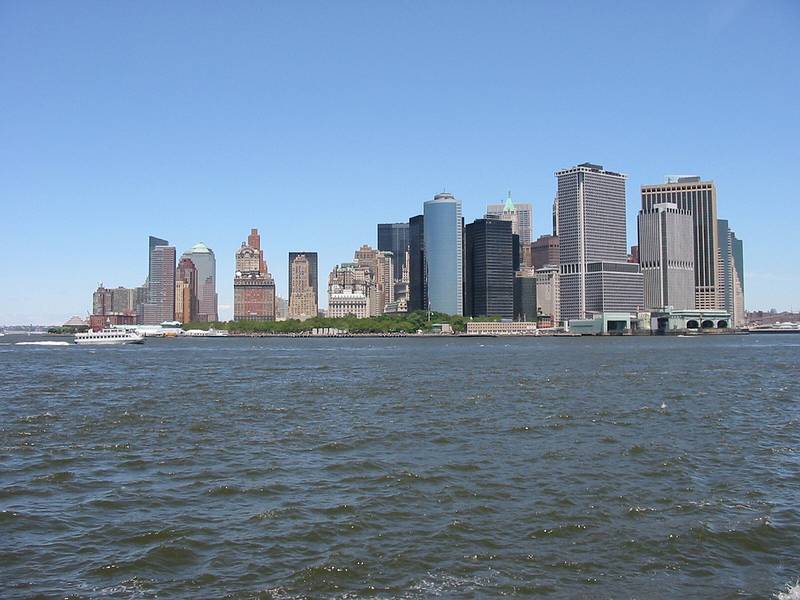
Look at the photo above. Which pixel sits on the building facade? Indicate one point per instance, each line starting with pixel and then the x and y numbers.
pixel 699 198
pixel 545 251
pixel 206 264
pixel 548 294
pixel 520 214
pixel 186 286
pixel 253 286
pixel 489 269
pixel 393 237
pixel 351 291
pixel 302 294
pixel 444 254
pixel 160 305
pixel 595 275
pixel 417 278
pixel 731 273
pixel 525 308
pixel 666 256
pixel 313 273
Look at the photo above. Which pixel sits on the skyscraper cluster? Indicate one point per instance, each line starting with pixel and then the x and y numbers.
pixel 183 289
pixel 686 259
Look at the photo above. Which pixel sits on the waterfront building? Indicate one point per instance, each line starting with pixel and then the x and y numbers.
pixel 666 255
pixel 417 277
pixel 595 273
pixel 394 238
pixel 525 308
pixel 313 273
pixel 548 294
pixel 101 301
pixel 520 214
pixel 731 273
pixel 444 254
pixel 381 272
pixel 699 198
pixel 502 328
pixel 253 286
pixel 160 305
pixel 206 264
pixel 351 291
pixel 489 268
pixel 186 285
pixel 302 295
pixel 545 251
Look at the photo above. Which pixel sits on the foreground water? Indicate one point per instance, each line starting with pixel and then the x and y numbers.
pixel 386 468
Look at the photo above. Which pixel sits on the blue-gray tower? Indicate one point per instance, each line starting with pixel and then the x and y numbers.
pixel 444 254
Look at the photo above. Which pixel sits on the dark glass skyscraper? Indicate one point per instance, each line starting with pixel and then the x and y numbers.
pixel 393 237
pixel 417 288
pixel 489 271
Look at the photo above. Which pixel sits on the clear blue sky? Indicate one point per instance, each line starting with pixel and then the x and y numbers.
pixel 195 121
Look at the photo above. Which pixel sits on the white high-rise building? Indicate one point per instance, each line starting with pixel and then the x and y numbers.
pixel 666 256
pixel 595 273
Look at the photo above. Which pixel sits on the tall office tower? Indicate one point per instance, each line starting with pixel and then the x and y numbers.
pixel 595 273
pixel 548 294
pixel 525 295
pixel 393 237
pixel 206 264
pixel 731 273
pixel 313 273
pixel 253 286
pixel 520 215
pixel 545 251
pixel 160 305
pixel 417 278
pixel 700 199
pixel 187 303
pixel 666 256
pixel 489 269
pixel 381 271
pixel 444 254
pixel 555 217
pixel 302 295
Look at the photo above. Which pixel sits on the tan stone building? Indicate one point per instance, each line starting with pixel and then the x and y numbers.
pixel 253 285
pixel 303 300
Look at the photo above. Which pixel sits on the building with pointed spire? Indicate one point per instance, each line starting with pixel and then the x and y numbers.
pixel 520 214
pixel 253 285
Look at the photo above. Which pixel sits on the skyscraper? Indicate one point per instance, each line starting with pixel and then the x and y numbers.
pixel 545 251
pixel 253 286
pixel 206 264
pixel 593 254
pixel 489 268
pixel 393 237
pixel 160 305
pixel 731 273
pixel 302 295
pixel 313 274
pixel 700 199
pixel 520 215
pixel 417 280
pixel 186 300
pixel 666 255
pixel 444 254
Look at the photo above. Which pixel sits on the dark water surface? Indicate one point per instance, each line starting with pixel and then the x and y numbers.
pixel 410 468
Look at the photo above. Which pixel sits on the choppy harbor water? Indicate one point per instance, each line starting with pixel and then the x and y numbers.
pixel 371 468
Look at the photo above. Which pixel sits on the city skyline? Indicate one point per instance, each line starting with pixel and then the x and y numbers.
pixel 87 135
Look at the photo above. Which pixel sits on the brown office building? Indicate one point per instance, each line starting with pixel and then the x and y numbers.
pixel 544 251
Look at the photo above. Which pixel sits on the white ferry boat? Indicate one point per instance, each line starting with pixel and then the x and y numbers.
pixel 108 336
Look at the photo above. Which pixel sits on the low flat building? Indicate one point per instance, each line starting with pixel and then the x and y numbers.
pixel 501 328
pixel 677 321
pixel 605 323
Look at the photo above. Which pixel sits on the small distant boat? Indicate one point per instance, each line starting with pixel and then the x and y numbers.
pixel 108 336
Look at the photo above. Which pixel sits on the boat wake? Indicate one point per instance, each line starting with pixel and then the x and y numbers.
pixel 42 344
pixel 792 592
